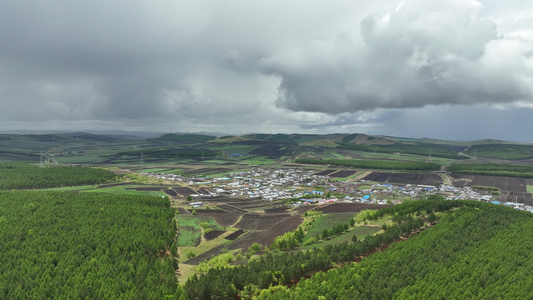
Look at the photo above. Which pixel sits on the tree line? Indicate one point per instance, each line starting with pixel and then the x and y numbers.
pixel 493 170
pixel 17 175
pixel 373 164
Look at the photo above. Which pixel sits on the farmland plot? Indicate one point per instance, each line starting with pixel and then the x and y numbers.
pixel 273 151
pixel 342 174
pixel 260 222
pixel 222 217
pixel 267 237
pixel 348 207
pixel 326 172
pixel 405 178
pixel 326 222
pixel 513 189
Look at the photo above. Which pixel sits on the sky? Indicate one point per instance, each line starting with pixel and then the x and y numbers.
pixel 454 69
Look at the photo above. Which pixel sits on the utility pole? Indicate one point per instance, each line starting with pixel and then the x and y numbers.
pixel 41 160
pixel 142 158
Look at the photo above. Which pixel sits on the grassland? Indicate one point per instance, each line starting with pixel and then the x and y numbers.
pixel 326 222
pixel 360 231
pixel 126 190
pixel 530 189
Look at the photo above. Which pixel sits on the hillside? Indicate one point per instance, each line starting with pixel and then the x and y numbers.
pixel 251 149
pixel 478 252
pixel 475 250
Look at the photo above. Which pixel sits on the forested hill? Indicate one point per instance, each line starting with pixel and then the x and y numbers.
pixel 18 175
pixel 479 252
pixel 476 250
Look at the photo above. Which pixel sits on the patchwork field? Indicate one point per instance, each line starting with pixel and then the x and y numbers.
pixel 405 178
pixel 512 189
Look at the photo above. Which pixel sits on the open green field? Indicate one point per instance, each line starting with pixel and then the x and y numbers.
pixel 190 230
pixel 73 188
pixel 124 191
pixel 360 231
pixel 327 221
pixel 121 189
pixel 173 171
pixel 155 170
pixel 530 189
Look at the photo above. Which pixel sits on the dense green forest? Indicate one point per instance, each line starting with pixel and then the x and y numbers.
pixel 18 175
pixel 373 164
pixel 77 246
pixel 493 170
pixel 480 251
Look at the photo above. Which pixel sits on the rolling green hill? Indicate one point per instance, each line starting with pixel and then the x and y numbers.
pixel 196 138
pixel 478 252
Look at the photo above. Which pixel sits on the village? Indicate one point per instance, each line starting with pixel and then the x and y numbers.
pixel 304 187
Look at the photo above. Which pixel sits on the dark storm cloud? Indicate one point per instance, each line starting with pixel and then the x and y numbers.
pixel 83 59
pixel 272 65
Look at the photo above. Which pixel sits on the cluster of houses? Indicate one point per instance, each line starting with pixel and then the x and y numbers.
pixel 307 188
pixel 267 184
pixel 166 176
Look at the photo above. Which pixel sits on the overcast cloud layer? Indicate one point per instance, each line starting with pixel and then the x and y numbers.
pixel 407 68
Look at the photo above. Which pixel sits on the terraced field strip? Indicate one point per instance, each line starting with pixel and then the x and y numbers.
pixel 326 172
pixel 327 221
pixel 342 173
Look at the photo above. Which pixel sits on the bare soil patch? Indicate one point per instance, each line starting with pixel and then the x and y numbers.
pixel 235 235
pixel 266 237
pixel 184 191
pixel 275 210
pixel 513 189
pixel 326 172
pixel 170 192
pixel 146 189
pixel 213 234
pixel 260 222
pixel 183 211
pixel 405 178
pixel 114 185
pixel 342 174
pixel 232 209
pixel 223 218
